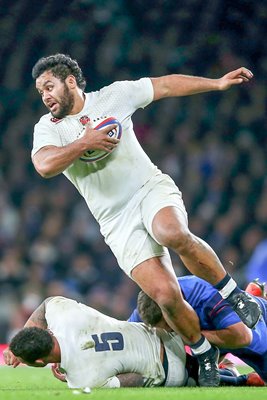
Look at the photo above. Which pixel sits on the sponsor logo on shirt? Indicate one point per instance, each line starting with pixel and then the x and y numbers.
pixel 55 120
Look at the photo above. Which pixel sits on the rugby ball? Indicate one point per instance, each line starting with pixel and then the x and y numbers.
pixel 100 123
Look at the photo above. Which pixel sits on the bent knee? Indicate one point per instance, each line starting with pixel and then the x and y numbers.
pixel 169 298
pixel 175 237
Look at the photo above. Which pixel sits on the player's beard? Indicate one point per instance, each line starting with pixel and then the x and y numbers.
pixel 66 103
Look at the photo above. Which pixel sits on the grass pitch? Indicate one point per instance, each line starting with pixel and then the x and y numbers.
pixel 26 383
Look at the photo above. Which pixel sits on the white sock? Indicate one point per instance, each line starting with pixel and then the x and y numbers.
pixel 228 288
pixel 205 346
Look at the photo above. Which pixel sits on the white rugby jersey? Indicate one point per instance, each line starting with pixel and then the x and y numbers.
pixel 95 347
pixel 107 184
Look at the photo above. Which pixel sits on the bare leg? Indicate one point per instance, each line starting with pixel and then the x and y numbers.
pixel 171 230
pixel 157 279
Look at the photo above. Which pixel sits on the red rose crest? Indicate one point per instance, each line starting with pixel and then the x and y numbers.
pixel 84 119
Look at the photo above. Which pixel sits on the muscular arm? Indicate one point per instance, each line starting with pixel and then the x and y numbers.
pixel 233 337
pixel 50 161
pixel 184 85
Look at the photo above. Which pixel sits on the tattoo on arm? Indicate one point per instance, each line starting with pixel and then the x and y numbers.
pixel 38 316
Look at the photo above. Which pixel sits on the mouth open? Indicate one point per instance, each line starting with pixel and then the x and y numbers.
pixel 53 107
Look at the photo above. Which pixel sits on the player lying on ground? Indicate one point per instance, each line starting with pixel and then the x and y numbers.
pixel 229 374
pixel 98 351
pixel 219 323
pixel 93 348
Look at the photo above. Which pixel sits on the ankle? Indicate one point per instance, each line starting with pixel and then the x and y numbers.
pixel 226 286
pixel 201 346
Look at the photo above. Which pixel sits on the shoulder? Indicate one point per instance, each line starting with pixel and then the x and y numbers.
pixel 47 120
pixel 62 308
pixel 130 94
pixel 127 85
pixel 59 301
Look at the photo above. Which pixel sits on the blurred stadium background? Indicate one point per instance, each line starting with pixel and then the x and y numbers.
pixel 213 145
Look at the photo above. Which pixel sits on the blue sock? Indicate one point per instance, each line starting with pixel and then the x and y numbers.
pixel 227 378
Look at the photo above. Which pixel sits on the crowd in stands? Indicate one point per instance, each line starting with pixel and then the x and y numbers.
pixel 213 145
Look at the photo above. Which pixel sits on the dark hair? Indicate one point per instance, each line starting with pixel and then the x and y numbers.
pixel 148 310
pixel 61 66
pixel 30 344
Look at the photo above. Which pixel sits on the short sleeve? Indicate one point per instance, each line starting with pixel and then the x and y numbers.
pixel 129 95
pixel 45 134
pixel 142 92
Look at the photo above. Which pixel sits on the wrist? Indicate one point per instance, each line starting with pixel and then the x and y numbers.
pixel 220 84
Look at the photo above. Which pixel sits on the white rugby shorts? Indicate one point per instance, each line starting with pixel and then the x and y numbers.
pixel 129 233
pixel 176 359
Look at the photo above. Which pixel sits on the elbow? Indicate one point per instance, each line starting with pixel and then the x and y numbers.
pixel 44 170
pixel 245 339
pixel 45 174
pixel 43 163
pixel 242 334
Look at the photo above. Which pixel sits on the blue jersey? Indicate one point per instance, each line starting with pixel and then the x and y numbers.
pixel 215 313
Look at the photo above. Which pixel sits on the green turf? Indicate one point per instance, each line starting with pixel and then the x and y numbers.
pixel 26 383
